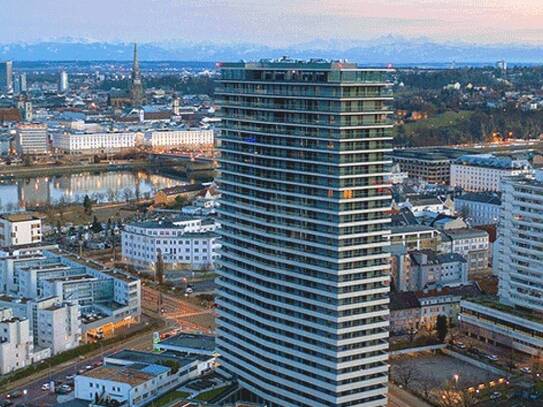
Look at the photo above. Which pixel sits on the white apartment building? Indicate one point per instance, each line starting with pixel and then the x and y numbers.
pixel 19 228
pixel 184 240
pixel 484 172
pixel 518 252
pixel 77 142
pixel 113 296
pixel 168 138
pixel 16 343
pixel 31 139
pixel 58 325
pixel 479 208
pixel 472 244
pixel 54 324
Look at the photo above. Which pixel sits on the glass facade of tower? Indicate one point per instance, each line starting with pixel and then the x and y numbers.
pixel 304 276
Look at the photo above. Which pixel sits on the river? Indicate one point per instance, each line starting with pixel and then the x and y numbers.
pixel 112 186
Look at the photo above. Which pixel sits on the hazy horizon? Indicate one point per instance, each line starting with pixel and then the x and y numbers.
pixel 276 24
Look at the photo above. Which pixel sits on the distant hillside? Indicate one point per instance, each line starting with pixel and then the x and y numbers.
pixel 395 50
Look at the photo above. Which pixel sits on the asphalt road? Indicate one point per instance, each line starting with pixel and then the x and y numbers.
pixel 36 397
pixel 400 398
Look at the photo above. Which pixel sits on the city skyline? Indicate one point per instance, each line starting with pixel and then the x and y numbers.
pixel 243 21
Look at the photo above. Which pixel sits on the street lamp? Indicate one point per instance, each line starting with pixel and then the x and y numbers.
pixel 456 377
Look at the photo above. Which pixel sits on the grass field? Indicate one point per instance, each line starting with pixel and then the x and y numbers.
pixel 446 119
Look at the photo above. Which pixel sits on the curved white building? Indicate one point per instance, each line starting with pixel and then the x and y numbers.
pixel 304 278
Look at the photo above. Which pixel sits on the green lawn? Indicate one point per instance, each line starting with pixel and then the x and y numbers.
pixel 210 394
pixel 445 119
pixel 170 397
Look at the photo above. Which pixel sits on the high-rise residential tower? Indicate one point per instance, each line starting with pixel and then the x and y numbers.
pixel 6 77
pixel 518 252
pixel 304 277
pixel 63 81
pixel 136 89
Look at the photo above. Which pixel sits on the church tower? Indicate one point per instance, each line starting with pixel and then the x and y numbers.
pixel 136 90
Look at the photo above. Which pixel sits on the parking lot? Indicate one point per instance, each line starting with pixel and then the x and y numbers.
pixel 426 370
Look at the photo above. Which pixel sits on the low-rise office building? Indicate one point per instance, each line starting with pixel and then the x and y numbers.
pixel 486 320
pixel 137 378
pixel 188 344
pixel 32 139
pixel 485 172
pixel 181 241
pixel 432 165
pixel 20 228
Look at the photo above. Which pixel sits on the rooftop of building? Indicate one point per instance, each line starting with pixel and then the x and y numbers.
pixel 19 216
pixel 202 342
pixel 499 162
pixel 403 217
pixel 152 358
pixel 424 201
pixel 403 300
pixel 132 377
pixel 292 63
pixel 492 198
pixel 493 302
pixel 465 291
pixel 402 229
pixel 434 258
pixel 465 233
pixel 430 153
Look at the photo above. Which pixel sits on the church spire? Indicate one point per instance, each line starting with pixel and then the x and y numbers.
pixel 136 90
pixel 135 63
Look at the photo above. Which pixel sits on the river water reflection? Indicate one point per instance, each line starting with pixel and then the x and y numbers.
pixel 112 186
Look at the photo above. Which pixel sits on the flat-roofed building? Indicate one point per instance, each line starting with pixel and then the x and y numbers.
pixel 485 172
pixel 487 320
pixel 102 142
pixel 20 228
pixel 432 165
pixel 106 297
pixel 184 240
pixel 518 251
pixel 31 139
pixel 135 378
pixel 172 138
pixel 472 244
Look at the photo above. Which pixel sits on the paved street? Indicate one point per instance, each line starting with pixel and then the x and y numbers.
pixel 400 398
pixel 37 397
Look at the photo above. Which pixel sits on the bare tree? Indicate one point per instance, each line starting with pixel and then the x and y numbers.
pixel 452 396
pixel 404 374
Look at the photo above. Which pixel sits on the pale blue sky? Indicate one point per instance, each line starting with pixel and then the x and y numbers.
pixel 272 22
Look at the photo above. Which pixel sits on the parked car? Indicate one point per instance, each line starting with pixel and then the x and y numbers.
pixel 459 345
pixel 526 370
pixel 45 386
pixel 491 357
pixel 14 394
pixel 495 395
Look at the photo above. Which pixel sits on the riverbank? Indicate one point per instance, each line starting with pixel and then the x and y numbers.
pixel 10 172
pixel 172 168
